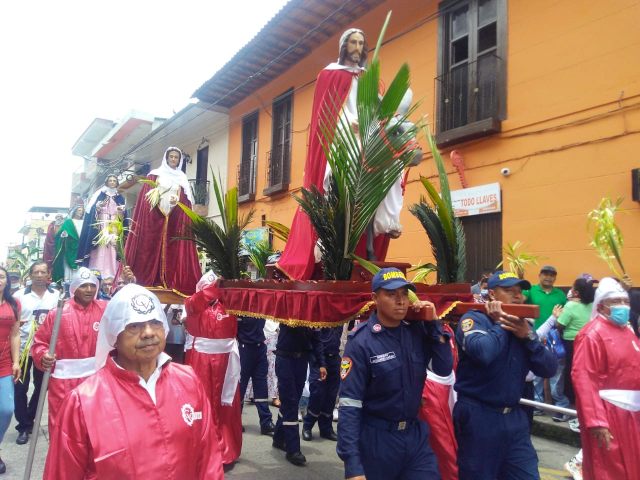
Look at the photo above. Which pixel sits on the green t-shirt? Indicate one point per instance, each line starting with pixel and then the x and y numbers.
pixel 546 301
pixel 574 316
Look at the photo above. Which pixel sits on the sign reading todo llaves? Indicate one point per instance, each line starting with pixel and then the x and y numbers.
pixel 476 200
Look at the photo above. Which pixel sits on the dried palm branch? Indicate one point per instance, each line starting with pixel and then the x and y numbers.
pixel 607 237
pixel 517 261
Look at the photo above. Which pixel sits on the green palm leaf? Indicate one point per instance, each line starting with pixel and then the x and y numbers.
pixel 445 231
pixel 222 244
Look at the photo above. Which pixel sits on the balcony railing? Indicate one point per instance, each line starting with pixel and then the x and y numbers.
pixel 200 191
pixel 470 93
pixel 278 170
pixel 246 177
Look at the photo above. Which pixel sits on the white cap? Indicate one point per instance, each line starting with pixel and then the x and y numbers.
pixel 607 288
pixel 83 275
pixel 206 280
pixel 132 304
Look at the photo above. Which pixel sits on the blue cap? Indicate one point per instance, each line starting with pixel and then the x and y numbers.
pixel 390 279
pixel 506 279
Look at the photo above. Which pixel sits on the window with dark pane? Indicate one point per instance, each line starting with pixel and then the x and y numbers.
pixel 249 157
pixel 279 164
pixel 472 71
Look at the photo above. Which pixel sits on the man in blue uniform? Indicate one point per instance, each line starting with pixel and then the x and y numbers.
pixel 294 347
pixel 497 351
pixel 254 365
pixel 324 380
pixel 383 372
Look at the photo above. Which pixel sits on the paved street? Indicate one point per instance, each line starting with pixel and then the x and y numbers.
pixel 260 460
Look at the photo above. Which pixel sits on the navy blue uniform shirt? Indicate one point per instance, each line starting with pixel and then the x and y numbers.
pixel 327 342
pixel 383 373
pixel 494 363
pixel 250 330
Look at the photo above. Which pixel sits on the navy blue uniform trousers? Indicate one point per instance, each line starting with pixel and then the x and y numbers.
pixel 389 454
pixel 291 373
pixel 492 444
pixel 323 396
pixel 254 365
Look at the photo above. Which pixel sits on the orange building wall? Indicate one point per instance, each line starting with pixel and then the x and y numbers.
pixel 570 136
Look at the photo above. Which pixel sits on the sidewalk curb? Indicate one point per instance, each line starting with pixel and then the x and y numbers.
pixel 557 431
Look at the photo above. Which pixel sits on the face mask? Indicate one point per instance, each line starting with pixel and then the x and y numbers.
pixel 484 292
pixel 620 314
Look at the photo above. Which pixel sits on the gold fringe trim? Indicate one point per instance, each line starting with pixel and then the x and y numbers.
pixel 448 310
pixel 293 322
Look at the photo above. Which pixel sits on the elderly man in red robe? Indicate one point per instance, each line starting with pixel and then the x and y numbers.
pixel 335 94
pixel 140 415
pixel 76 346
pixel 212 351
pixel 606 380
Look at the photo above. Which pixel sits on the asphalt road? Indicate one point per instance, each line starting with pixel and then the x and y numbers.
pixel 261 461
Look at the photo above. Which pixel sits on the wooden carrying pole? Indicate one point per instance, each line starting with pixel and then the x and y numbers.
pixel 43 391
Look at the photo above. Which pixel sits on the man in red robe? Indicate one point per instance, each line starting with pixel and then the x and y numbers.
pixel 335 94
pixel 139 416
pixel 76 346
pixel 606 380
pixel 212 351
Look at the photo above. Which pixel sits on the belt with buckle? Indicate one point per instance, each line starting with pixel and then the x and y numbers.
pixel 383 424
pixel 502 410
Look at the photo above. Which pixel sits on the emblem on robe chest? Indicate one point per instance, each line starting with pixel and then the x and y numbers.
pixel 189 415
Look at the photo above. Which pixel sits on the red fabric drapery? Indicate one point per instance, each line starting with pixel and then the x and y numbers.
pixel 315 304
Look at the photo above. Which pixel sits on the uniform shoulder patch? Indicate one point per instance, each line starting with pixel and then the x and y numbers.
pixel 345 367
pixel 466 324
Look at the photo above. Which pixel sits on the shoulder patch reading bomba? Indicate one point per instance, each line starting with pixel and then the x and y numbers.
pixel 142 304
pixel 467 324
pixel 345 367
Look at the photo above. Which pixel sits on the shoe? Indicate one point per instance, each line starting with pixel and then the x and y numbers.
pixel 279 445
pixel 306 435
pixel 574 468
pixel 335 414
pixel 267 429
pixel 296 458
pixel 3 467
pixel 560 417
pixel 574 425
pixel 538 413
pixel 330 435
pixel 23 437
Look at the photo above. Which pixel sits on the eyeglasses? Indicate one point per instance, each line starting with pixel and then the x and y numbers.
pixel 138 327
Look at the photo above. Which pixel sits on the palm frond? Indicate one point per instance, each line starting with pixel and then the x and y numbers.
pixel 445 231
pixel 279 230
pixel 372 268
pixel 607 237
pixel 259 254
pixel 221 243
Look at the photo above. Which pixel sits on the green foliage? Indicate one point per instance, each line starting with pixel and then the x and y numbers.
pixel 445 231
pixel 259 254
pixel 222 244
pixel 279 230
pixel 607 237
pixel 423 272
pixel 364 167
pixel 517 261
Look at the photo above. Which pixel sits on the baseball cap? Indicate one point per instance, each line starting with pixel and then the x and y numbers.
pixel 390 279
pixel 507 279
pixel 549 268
